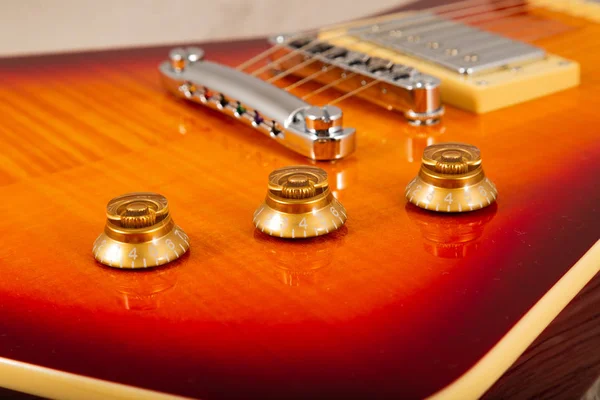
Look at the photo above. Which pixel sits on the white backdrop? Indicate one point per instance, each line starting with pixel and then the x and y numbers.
pixel 42 26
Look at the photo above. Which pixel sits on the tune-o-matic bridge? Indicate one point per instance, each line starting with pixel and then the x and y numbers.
pixel 314 132
pixel 389 84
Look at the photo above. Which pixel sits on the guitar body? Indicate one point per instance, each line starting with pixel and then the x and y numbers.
pixel 399 303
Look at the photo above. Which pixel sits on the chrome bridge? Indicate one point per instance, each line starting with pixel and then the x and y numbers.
pixel 393 86
pixel 314 132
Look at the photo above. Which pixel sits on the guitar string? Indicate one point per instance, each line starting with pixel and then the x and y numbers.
pixel 364 87
pixel 350 94
pixel 582 46
pixel 514 29
pixel 354 92
pixel 309 78
pixel 495 13
pixel 460 6
pixel 314 59
pixel 346 76
pixel 312 77
pixel 454 14
pixel 329 85
pixel 351 75
pixel 298 66
pixel 288 56
pixel 263 55
pixel 316 74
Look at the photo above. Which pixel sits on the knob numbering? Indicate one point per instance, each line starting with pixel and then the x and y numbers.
pixel 139 233
pixel 299 204
pixel 451 179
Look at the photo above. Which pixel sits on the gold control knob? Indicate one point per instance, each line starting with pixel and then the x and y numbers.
pixel 451 179
pixel 139 233
pixel 299 204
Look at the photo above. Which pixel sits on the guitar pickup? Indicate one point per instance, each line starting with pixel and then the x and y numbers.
pixel 315 132
pixel 391 85
pixel 479 71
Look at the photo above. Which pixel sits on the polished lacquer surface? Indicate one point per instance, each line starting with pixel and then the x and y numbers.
pixel 399 301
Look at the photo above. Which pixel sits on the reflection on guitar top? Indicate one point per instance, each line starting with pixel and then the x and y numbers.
pixel 455 237
pixel 301 263
pixel 142 290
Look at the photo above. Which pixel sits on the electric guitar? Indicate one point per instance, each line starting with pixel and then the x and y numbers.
pixel 401 300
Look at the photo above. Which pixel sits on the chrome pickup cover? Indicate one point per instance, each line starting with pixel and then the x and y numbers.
pixel 453 45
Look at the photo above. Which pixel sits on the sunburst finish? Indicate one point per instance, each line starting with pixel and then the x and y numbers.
pixel 399 301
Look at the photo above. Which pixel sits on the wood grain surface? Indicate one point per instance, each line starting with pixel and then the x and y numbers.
pixel 382 308
pixel 564 361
